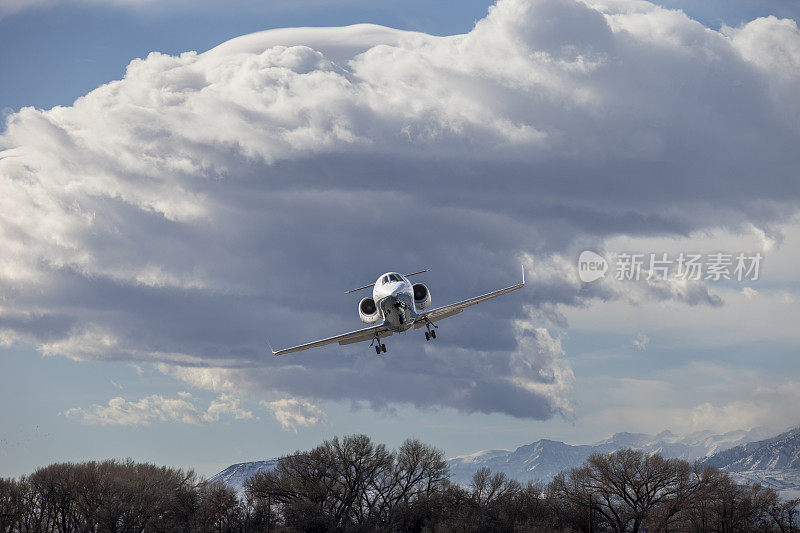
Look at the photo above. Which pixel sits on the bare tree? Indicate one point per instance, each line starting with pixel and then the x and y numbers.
pixel 353 484
pixel 784 513
pixel 626 488
pixel 350 483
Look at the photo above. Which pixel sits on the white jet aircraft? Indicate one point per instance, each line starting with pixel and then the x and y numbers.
pixel 398 305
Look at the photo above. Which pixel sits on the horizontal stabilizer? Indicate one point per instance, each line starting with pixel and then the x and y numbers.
pixel 372 284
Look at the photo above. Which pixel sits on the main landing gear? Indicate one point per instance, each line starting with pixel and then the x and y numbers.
pixel 380 347
pixel 430 333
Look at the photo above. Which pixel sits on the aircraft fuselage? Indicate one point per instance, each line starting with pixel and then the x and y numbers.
pixel 395 299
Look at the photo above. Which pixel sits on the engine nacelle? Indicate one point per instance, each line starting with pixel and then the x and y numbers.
pixel 368 311
pixel 422 296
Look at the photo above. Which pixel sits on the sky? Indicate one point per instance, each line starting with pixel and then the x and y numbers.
pixel 180 187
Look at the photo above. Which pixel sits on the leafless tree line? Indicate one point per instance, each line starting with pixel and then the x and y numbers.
pixel 115 496
pixel 353 484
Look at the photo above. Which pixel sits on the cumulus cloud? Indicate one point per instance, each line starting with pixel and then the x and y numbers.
pixel 293 413
pixel 225 405
pixel 529 380
pixel 537 368
pixel 206 201
pixel 640 341
pixel 157 408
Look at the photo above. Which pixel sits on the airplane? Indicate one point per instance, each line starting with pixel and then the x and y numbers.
pixel 399 306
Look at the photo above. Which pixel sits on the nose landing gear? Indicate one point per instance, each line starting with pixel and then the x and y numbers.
pixel 400 314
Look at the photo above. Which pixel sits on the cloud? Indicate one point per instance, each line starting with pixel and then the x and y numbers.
pixel 293 413
pixel 157 408
pixel 773 404
pixel 529 380
pixel 640 341
pixel 786 298
pixel 698 395
pixel 749 292
pixel 769 42
pixel 205 202
pixel 212 379
pixel 225 405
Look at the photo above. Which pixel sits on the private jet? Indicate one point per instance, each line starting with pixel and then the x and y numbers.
pixel 396 306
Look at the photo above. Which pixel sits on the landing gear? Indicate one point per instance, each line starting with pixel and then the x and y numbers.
pixel 380 347
pixel 430 333
pixel 400 315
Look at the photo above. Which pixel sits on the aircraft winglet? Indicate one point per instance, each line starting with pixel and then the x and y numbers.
pixel 274 352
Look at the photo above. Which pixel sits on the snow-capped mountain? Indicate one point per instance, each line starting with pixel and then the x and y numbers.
pixel 687 447
pixel 544 459
pixel 235 475
pixel 772 462
pixel 746 454
pixel 778 453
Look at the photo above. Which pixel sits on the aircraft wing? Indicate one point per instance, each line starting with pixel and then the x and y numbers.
pixel 453 309
pixel 366 334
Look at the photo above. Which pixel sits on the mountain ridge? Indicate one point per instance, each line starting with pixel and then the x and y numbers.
pixel 746 454
pixel 543 459
pixel 781 452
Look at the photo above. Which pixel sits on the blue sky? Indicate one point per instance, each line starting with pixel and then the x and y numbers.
pixel 128 278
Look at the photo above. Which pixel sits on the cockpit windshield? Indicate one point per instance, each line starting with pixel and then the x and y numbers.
pixel 391 277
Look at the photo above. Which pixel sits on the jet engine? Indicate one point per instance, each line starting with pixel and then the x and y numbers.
pixel 368 311
pixel 422 296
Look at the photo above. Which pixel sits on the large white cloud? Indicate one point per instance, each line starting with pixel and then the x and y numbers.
pixel 182 214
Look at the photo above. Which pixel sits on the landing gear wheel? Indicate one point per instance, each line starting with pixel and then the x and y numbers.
pixel 383 348
pixel 427 336
pixel 378 349
pixel 433 334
